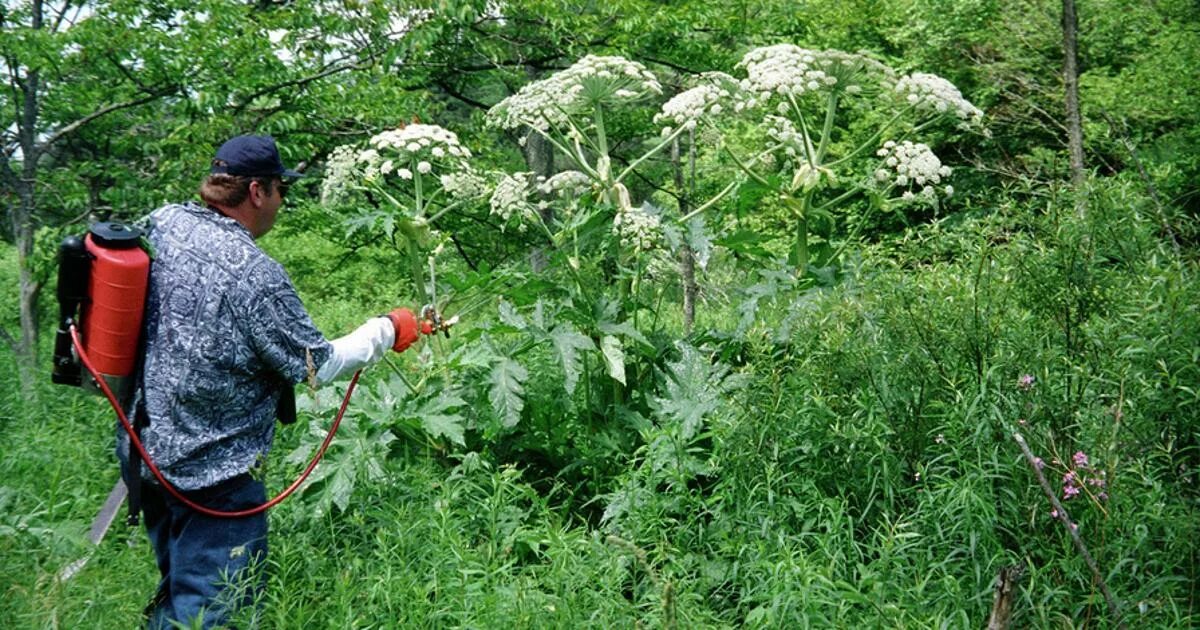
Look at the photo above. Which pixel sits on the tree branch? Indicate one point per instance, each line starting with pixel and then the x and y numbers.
pixel 332 69
pixel 448 89
pixel 71 128
pixel 1072 529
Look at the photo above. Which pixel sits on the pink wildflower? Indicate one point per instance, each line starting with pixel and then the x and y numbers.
pixel 1080 458
pixel 1025 383
pixel 1069 491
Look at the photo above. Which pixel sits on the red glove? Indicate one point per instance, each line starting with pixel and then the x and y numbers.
pixel 407 328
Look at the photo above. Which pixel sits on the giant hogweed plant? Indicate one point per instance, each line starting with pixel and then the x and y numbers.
pixel 802 105
pixel 409 177
pixel 594 221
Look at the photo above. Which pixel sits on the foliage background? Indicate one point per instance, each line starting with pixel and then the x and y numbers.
pixel 857 466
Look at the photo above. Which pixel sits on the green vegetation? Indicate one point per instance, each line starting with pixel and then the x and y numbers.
pixel 826 439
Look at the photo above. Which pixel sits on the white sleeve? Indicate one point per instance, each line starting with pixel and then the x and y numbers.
pixel 366 345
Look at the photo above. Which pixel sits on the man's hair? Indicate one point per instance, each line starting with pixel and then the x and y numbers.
pixel 222 189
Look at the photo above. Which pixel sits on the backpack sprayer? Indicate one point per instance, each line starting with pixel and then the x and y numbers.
pixel 102 283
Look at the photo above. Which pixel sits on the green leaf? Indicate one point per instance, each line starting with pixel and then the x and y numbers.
pixel 507 391
pixel 745 242
pixel 614 357
pixel 568 342
pixel 624 328
pixel 440 418
pixel 510 316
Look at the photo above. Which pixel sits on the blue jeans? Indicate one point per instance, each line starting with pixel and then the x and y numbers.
pixel 211 567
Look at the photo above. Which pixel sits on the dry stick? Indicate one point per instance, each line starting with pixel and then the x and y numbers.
pixel 1072 529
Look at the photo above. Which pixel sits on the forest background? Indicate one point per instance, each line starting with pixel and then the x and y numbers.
pixel 765 415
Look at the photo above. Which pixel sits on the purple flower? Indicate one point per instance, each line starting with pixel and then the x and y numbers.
pixel 1053 513
pixel 1103 496
pixel 1070 491
pixel 1096 482
pixel 1080 458
pixel 1025 383
pixel 1069 477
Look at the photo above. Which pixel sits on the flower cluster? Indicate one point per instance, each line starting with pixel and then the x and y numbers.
pixel 788 70
pixel 931 93
pixel 342 172
pixel 785 133
pixel 912 165
pixel 404 153
pixel 638 228
pixel 711 97
pixel 465 185
pixel 564 184
pixel 511 198
pixel 1080 475
pixel 417 146
pixel 590 81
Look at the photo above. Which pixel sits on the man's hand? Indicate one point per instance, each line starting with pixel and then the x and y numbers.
pixel 408 329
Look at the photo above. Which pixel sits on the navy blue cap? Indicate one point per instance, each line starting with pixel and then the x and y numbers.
pixel 250 156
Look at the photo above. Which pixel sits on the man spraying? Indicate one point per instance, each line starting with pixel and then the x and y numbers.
pixel 226 339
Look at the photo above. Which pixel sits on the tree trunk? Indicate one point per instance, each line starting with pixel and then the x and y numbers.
pixel 22 222
pixel 687 257
pixel 1070 25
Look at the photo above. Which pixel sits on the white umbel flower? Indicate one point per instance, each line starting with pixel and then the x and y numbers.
pixel 511 198
pixel 785 70
pixel 714 93
pixel 464 185
pixel 420 142
pixel 565 184
pixel 933 94
pixel 590 81
pixel 342 172
pixel 913 167
pixel 638 228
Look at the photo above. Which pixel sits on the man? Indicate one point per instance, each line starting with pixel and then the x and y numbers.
pixel 226 339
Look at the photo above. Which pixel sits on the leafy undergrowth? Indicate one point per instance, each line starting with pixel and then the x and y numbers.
pixel 830 457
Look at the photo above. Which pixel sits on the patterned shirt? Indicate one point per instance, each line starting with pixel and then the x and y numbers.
pixel 225 333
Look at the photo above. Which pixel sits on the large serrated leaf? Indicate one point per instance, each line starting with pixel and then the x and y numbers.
pixel 440 418
pixel 694 387
pixel 614 357
pixel 568 342
pixel 510 316
pixel 508 390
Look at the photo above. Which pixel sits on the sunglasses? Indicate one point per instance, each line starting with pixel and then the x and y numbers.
pixel 281 184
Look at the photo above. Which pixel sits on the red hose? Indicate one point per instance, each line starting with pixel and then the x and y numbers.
pixel 137 443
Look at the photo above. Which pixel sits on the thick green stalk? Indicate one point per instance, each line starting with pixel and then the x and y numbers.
pixel 870 142
pixel 417 189
pixel 827 130
pixel 601 136
pixel 648 154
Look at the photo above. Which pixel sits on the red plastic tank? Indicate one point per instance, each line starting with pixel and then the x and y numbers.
pixel 112 317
